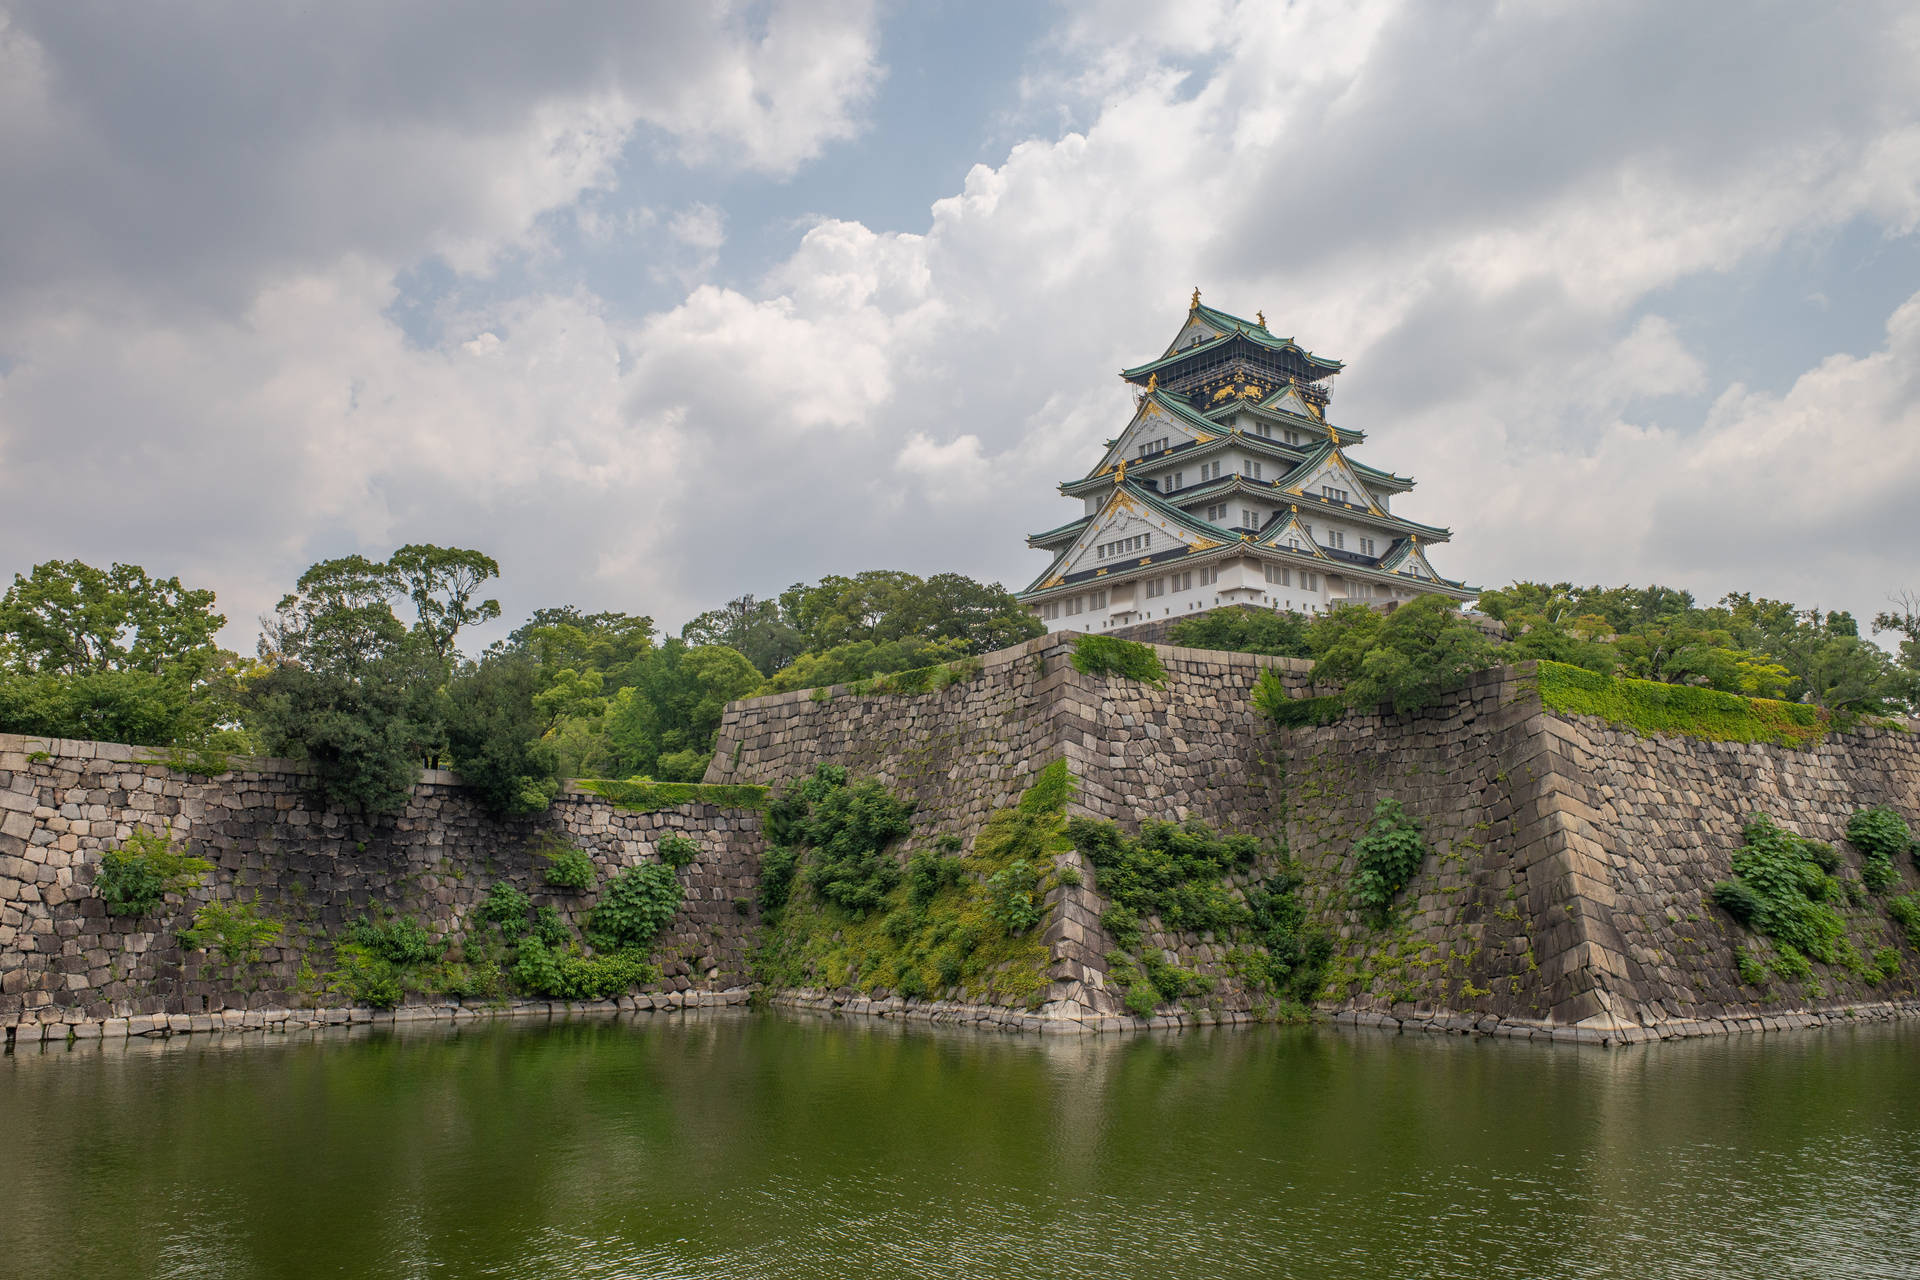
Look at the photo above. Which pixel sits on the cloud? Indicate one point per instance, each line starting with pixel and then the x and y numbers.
pixel 1479 207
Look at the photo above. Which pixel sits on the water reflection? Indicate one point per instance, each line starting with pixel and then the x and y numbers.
pixel 756 1145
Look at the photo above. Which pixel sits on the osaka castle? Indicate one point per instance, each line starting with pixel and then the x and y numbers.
pixel 1231 485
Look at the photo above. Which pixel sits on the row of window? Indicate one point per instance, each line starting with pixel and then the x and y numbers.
pixel 1154 446
pixel 1183 581
pixel 1280 576
pixel 1124 546
pixel 1072 605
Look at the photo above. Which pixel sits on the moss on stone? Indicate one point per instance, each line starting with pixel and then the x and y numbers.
pixel 1648 707
pixel 645 797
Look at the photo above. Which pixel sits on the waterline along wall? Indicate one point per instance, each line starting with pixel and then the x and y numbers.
pixel 1565 893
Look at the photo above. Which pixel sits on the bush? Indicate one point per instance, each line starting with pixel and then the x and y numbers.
pixel 133 878
pixel 1239 629
pixel 236 930
pixel 401 942
pixel 1110 655
pixel 567 975
pixel 506 907
pixel 1387 857
pixel 1407 658
pixel 1013 899
pixel 776 877
pixel 549 928
pixel 568 866
pixel 1881 835
pixel 1752 971
pixel 849 829
pixel 1905 911
pixel 1171 870
pixel 928 873
pixel 1271 698
pixel 365 978
pixel 677 850
pixel 637 905
pixel 683 766
pixel 1781 888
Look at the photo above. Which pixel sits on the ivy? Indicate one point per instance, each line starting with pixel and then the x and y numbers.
pixel 134 878
pixel 637 904
pixel 1110 655
pixel 1649 707
pixel 1782 887
pixel 1881 835
pixel 568 865
pixel 1387 857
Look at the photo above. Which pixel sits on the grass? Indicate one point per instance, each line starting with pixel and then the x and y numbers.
pixel 645 797
pixel 1648 707
pixel 1109 655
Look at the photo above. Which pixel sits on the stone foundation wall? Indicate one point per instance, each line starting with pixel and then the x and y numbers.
pixel 63 959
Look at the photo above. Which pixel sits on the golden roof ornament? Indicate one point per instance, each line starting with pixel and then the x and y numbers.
pixel 1195 302
pixel 1260 318
pixel 1153 383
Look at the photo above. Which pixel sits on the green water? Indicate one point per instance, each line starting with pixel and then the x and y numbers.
pixel 760 1145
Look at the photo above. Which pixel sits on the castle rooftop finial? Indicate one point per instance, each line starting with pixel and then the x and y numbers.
pixel 1196 298
pixel 1260 318
pixel 1153 383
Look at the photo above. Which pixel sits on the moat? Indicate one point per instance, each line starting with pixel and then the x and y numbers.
pixel 757 1144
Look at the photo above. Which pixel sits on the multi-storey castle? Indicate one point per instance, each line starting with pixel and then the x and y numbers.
pixel 1230 486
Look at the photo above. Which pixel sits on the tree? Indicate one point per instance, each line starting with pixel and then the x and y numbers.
pixel 673 708
pixel 1827 662
pixel 497 736
pixel 114 654
pixel 754 627
pixel 1239 629
pixel 1407 657
pixel 353 690
pixel 885 605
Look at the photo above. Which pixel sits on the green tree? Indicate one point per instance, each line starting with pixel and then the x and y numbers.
pixel 885 605
pixel 497 735
pixel 754 627
pixel 114 654
pixel 673 707
pixel 1240 629
pixel 1407 657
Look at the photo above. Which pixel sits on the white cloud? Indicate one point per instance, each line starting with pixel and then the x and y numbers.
pixel 1477 206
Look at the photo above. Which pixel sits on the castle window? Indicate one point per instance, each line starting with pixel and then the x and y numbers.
pixel 1338 495
pixel 1279 575
pixel 1209 576
pixel 1156 587
pixel 1098 600
pixel 1253 469
pixel 1181 581
pixel 1336 539
pixel 1176 481
pixel 1210 470
pixel 1249 518
pixel 1366 546
pixel 1216 514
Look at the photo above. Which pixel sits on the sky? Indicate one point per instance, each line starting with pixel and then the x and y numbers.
pixel 662 303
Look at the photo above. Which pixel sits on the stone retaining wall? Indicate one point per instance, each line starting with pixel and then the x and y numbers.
pixel 63 960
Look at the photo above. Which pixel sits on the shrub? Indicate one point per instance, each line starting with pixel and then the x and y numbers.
pixel 1887 961
pixel 1752 971
pixel 677 850
pixel 1270 698
pixel 776 877
pixel 1239 629
pixel 401 942
pixel 1905 911
pixel 506 907
pixel 683 766
pixel 365 978
pixel 1406 658
pixel 1110 655
pixel 928 873
pixel 236 930
pixel 849 829
pixel 549 928
pixel 567 975
pixel 1881 835
pixel 1013 900
pixel 1781 888
pixel 635 907
pixel 134 878
pixel 1171 870
pixel 1387 857
pixel 568 865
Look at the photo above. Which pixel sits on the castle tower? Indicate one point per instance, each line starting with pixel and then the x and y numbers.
pixel 1230 485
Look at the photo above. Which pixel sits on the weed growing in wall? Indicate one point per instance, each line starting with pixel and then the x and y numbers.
pixel 1110 655
pixel 635 907
pixel 677 850
pixel 235 930
pixel 1648 707
pixel 1271 699
pixel 1181 875
pixel 641 795
pixel 1783 888
pixel 568 866
pixel 964 926
pixel 1387 857
pixel 917 679
pixel 1905 911
pixel 134 878
pixel 1881 835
